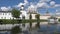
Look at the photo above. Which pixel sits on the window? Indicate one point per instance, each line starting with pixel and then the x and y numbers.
pixel 9 13
pixel 5 13
pixel 10 18
pixel 13 18
pixel 4 17
pixel 1 17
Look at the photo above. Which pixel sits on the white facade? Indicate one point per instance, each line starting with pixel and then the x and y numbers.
pixel 5 15
pixel 44 17
pixel 8 15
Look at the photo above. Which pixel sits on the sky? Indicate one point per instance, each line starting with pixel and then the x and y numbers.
pixel 14 2
pixel 40 5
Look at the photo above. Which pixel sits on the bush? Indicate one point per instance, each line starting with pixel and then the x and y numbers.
pixel 9 21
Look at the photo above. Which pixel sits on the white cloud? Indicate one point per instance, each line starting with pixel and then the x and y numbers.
pixel 40 4
pixel 6 8
pixel 19 5
pixel 52 3
pixel 45 0
pixel 43 5
pixel 57 5
pixel 25 2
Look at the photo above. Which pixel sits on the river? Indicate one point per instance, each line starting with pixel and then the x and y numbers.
pixel 43 28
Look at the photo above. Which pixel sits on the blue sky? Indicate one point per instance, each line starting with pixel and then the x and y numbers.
pixel 12 3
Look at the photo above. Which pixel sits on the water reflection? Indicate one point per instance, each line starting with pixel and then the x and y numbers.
pixel 4 32
pixel 43 28
pixel 49 28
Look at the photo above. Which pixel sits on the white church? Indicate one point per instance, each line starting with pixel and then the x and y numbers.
pixel 8 15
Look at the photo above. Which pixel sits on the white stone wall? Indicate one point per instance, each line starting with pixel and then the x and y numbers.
pixel 9 16
pixel 44 17
pixel 33 16
pixel 6 16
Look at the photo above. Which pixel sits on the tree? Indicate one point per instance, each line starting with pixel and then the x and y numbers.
pixel 15 13
pixel 38 20
pixel 1 22
pixel 16 30
pixel 30 18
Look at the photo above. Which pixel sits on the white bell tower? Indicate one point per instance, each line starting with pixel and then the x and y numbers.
pixel 23 12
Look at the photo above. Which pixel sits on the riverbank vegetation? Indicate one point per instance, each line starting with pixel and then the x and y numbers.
pixel 15 21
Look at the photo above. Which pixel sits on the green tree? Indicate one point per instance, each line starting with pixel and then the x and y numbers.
pixel 16 30
pixel 15 13
pixel 38 20
pixel 30 20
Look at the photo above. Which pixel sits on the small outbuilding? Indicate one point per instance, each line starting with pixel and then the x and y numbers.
pixel 52 20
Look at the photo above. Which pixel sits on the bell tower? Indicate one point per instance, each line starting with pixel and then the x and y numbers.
pixel 22 7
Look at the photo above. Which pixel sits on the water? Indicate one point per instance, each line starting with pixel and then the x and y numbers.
pixel 4 32
pixel 43 28
pixel 50 28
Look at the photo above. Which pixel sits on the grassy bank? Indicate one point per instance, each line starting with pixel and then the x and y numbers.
pixel 14 21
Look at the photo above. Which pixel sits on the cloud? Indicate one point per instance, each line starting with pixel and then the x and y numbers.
pixel 43 5
pixel 45 0
pixel 19 5
pixel 6 8
pixel 57 5
pixel 52 3
pixel 25 2
pixel 40 4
